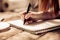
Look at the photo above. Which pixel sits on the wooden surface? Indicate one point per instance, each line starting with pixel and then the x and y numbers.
pixel 17 34
pixel 13 33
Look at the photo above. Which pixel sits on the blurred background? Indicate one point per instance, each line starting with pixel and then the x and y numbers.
pixel 10 5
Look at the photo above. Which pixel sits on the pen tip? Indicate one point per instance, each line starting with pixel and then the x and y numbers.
pixel 24 21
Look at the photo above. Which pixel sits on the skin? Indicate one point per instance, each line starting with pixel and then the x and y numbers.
pixel 35 16
pixel 45 12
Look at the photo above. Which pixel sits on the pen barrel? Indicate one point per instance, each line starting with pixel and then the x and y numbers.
pixel 28 7
pixel 27 12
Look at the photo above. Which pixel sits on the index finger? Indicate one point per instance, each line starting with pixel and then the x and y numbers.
pixel 23 12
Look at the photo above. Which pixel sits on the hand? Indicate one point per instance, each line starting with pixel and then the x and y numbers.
pixel 32 17
pixel 27 17
pixel 36 16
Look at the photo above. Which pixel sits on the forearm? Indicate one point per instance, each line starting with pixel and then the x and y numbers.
pixel 43 15
pixel 47 15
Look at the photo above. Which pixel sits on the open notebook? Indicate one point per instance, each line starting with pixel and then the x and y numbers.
pixel 37 27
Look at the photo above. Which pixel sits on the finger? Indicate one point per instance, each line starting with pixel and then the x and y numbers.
pixel 28 22
pixel 27 16
pixel 22 14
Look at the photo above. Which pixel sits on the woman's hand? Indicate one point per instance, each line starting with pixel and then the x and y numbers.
pixel 37 16
pixel 30 17
pixel 33 17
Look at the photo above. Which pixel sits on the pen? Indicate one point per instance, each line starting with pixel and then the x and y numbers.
pixel 27 11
